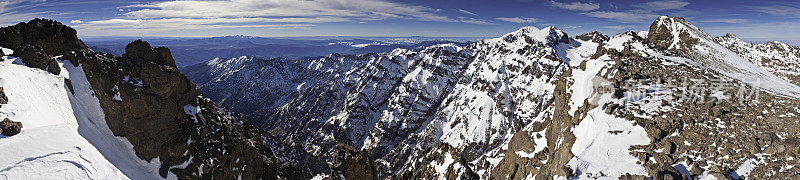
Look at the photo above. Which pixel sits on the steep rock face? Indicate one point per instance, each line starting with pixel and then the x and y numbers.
pixel 147 103
pixel 672 33
pixel 147 96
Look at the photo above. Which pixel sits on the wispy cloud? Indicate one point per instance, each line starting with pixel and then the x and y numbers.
pixel 518 19
pixel 370 9
pixel 662 5
pixel 731 21
pixel 623 16
pixel 154 25
pixel 576 6
pixel 467 12
pixel 10 10
pixel 470 20
pixel 117 21
pixel 281 14
pixel 617 27
pixel 642 12
pixel 780 10
pixel 786 30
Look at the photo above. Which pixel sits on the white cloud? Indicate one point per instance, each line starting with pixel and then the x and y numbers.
pixel 628 17
pixel 662 5
pixel 75 22
pixel 467 12
pixel 642 12
pixel 570 27
pixel 272 14
pixel 9 15
pixel 781 31
pixel 731 21
pixel 356 10
pixel 617 27
pixel 518 19
pixel 779 10
pixel 155 25
pixel 575 6
pixel 473 20
pixel 116 21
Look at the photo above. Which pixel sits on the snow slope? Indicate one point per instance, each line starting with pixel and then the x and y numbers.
pixel 598 151
pixel 64 135
pixel 712 54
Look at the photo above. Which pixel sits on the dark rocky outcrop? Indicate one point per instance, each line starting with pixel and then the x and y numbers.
pixel 3 97
pixel 152 117
pixel 593 36
pixel 38 41
pixel 140 52
pixel 662 30
pixel 10 128
pixel 350 163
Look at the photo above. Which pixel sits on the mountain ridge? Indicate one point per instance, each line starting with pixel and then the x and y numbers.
pixel 524 105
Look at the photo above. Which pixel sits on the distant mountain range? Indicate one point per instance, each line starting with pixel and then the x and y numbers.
pixel 189 51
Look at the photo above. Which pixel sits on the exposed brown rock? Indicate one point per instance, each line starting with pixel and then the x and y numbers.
pixel 593 36
pixel 349 163
pixel 10 128
pixel 3 97
pixel 140 52
pixel 38 41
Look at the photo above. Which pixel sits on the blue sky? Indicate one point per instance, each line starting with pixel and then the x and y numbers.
pixel 756 20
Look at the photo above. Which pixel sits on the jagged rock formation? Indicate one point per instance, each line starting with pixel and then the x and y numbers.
pixel 35 41
pixel 144 100
pixel 593 36
pixel 671 102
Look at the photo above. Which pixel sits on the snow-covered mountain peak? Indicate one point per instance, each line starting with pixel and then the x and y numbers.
pixel 675 33
pixel 731 35
pixel 730 38
pixel 593 36
pixel 531 35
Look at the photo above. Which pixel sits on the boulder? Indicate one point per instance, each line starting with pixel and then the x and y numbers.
pixel 10 128
pixel 35 57
pixel 139 52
